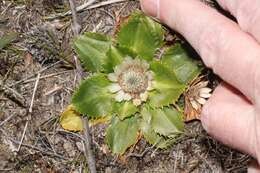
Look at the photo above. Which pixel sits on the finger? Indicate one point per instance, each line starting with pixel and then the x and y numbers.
pixel 247 13
pixel 223 46
pixel 229 117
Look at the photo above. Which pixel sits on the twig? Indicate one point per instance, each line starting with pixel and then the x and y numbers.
pixel 60 131
pixel 85 6
pixel 33 147
pixel 76 29
pixel 13 95
pixel 7 119
pixel 75 23
pixel 6 88
pixel 34 91
pixel 40 71
pixel 87 139
pixel 30 111
pixel 40 150
pixel 87 146
pixel 46 76
pixel 21 141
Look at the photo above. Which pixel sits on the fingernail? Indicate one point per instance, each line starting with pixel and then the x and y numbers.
pixel 150 7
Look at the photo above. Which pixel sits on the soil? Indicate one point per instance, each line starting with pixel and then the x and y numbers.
pixel 31 138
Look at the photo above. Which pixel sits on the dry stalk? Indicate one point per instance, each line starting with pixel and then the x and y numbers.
pixel 84 6
pixel 86 132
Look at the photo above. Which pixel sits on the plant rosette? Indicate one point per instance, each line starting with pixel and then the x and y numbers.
pixel 134 91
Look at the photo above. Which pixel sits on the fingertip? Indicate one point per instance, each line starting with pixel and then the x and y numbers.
pixel 150 7
pixel 225 114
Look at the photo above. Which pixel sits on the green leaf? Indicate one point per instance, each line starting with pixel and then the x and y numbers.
pixel 7 39
pixel 142 35
pixel 115 56
pixel 92 50
pixel 92 98
pixel 178 59
pixel 122 134
pixel 149 134
pixel 125 109
pixel 167 121
pixel 167 87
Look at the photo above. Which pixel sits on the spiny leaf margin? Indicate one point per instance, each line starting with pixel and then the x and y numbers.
pixel 92 97
pixel 92 49
pixel 141 35
pixel 180 61
pixel 122 134
pixel 167 87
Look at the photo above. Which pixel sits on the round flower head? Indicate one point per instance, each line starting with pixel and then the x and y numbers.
pixel 199 94
pixel 195 97
pixel 131 81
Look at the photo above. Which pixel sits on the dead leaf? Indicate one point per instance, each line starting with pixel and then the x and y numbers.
pixel 193 98
pixel 71 120
pixel 190 112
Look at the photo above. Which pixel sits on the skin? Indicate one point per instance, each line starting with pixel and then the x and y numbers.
pixel 232 50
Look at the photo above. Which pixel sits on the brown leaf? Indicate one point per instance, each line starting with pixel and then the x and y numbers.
pixel 192 98
pixel 189 112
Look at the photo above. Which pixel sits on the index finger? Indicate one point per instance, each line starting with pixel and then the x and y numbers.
pixel 231 53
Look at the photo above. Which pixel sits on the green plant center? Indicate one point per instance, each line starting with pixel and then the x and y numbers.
pixel 133 80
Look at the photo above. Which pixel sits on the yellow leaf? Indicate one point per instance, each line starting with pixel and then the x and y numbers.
pixel 71 120
pixel 102 120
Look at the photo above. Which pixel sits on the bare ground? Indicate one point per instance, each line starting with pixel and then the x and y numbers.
pixel 35 142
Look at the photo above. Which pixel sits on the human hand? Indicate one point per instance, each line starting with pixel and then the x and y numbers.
pixel 232 50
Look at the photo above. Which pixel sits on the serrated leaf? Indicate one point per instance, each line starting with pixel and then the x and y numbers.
pixel 92 50
pixel 122 134
pixel 167 87
pixel 167 121
pixel 115 56
pixel 92 98
pixel 149 134
pixel 125 109
pixel 71 120
pixel 7 39
pixel 142 35
pixel 178 59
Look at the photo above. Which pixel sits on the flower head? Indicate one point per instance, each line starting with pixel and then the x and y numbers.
pixel 132 80
pixel 195 97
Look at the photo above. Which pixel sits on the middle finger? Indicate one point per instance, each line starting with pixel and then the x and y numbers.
pixel 223 46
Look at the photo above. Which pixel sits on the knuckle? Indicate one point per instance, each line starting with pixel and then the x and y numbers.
pixel 212 43
pixel 207 46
